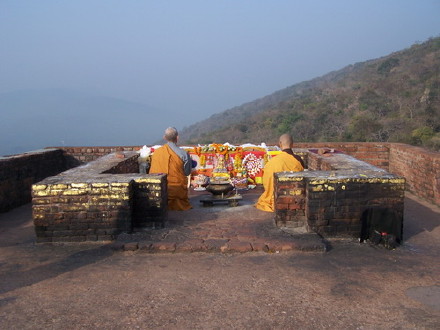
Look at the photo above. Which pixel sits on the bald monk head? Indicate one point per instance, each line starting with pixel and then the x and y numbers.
pixel 171 135
pixel 286 141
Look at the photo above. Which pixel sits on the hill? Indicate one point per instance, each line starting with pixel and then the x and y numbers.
pixel 394 98
pixel 34 119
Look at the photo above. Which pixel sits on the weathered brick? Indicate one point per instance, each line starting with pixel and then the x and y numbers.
pixel 164 246
pixel 131 246
pixel 238 246
pixel 215 244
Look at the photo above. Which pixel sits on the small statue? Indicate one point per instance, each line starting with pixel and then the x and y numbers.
pixel 220 169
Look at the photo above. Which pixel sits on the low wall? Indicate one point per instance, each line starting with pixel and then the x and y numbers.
pixel 421 169
pixel 331 198
pixel 98 201
pixel 82 155
pixel 105 197
pixel 19 172
pixel 376 154
pixel 419 166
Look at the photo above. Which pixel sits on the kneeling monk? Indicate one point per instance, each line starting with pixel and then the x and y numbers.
pixel 285 161
pixel 176 163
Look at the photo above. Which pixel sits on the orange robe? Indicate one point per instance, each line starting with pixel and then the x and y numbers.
pixel 165 160
pixel 280 163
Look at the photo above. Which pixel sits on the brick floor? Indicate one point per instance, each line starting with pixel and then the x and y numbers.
pixel 219 228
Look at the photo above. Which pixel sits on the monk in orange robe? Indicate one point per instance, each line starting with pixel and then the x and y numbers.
pixel 285 161
pixel 176 163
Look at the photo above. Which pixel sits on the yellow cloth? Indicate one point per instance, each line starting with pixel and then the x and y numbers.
pixel 165 160
pixel 280 163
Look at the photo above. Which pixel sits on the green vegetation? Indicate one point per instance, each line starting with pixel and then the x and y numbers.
pixel 286 122
pixel 422 135
pixel 386 66
pixel 395 98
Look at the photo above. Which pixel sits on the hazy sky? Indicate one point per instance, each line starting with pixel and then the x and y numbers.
pixel 198 57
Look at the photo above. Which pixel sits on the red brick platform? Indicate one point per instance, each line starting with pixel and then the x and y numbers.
pixel 220 228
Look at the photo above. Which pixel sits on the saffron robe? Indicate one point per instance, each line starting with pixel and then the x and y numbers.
pixel 165 160
pixel 280 163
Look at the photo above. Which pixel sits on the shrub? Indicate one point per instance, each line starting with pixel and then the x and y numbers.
pixel 386 66
pixel 421 135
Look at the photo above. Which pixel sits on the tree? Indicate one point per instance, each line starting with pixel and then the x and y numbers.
pixel 363 127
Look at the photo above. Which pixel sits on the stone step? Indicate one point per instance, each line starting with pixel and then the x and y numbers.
pixel 305 242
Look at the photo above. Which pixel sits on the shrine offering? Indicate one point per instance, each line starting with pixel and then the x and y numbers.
pixel 242 165
pixel 220 171
pixel 199 182
pixel 240 183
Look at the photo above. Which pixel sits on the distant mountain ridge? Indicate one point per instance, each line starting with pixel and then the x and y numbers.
pixel 394 98
pixel 34 119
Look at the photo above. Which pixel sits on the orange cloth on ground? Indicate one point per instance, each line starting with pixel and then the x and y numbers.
pixel 165 160
pixel 280 163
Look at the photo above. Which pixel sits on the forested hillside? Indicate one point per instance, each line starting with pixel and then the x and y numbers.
pixel 394 98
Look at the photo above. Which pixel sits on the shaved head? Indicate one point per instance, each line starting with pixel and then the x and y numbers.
pixel 171 134
pixel 286 141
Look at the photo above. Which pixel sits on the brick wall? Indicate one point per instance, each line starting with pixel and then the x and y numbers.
pixel 125 165
pixel 376 154
pixel 81 155
pixel 419 166
pixel 81 211
pixel 19 172
pixel 331 198
pixel 336 206
pixel 393 157
pixel 149 202
pixel 98 201
pixel 421 169
pixel 290 201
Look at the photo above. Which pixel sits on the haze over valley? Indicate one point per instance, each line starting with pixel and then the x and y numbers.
pixel 90 73
pixel 37 119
